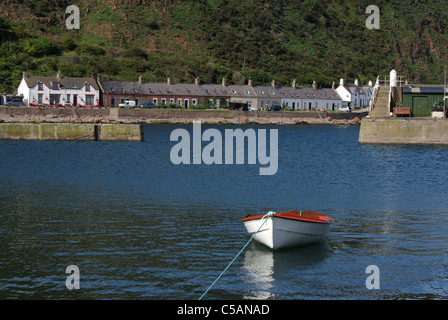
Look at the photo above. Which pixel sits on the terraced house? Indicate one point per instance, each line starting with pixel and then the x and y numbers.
pixel 95 92
pixel 218 95
pixel 183 95
pixel 59 91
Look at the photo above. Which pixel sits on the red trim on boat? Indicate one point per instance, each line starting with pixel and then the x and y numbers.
pixel 308 216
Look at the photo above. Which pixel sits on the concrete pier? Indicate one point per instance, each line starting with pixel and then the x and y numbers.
pixel 404 131
pixel 71 131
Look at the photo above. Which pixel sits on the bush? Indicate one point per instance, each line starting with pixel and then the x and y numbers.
pixel 91 49
pixel 39 47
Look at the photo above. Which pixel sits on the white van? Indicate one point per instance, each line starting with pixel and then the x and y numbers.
pixel 127 104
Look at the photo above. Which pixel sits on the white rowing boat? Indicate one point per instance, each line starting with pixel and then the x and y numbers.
pixel 287 229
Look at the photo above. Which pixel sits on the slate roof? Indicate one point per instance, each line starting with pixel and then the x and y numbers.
pixel 309 93
pixel 65 83
pixel 218 90
pixel 422 88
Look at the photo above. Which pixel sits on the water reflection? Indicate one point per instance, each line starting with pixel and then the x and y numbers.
pixel 263 266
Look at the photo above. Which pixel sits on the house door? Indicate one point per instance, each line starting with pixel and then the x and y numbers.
pixel 186 103
pixel 420 107
pixel 75 99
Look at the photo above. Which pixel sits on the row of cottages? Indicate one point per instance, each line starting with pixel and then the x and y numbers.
pixel 214 95
pixel 181 94
pixel 59 91
pixel 95 92
pixel 355 95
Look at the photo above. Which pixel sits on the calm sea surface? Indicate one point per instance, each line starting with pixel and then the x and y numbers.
pixel 139 227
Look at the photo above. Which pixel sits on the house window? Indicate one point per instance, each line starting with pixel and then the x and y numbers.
pixel 194 102
pixel 87 87
pixel 90 100
pixel 40 86
pixel 39 98
pixel 55 99
pixel 163 101
pixel 136 101
pixel 179 102
pixel 155 101
pixel 172 101
pixel 55 86
pixel 112 101
pixel 68 98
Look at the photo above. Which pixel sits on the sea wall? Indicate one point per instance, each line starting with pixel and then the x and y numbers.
pixel 70 131
pixel 120 132
pixel 403 131
pixel 137 115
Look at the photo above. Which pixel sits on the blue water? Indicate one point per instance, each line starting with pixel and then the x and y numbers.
pixel 139 227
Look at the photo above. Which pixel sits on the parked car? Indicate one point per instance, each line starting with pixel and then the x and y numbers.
pixel 275 107
pixel 253 108
pixel 345 109
pixel 11 100
pixel 147 105
pixel 127 104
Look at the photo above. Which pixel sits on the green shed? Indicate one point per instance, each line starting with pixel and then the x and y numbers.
pixel 421 98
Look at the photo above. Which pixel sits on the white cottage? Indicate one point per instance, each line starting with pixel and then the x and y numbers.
pixel 354 95
pixel 314 98
pixel 59 91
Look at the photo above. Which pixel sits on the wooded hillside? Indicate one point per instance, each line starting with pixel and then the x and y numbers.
pixel 211 39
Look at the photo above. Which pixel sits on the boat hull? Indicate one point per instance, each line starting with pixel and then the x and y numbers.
pixel 278 231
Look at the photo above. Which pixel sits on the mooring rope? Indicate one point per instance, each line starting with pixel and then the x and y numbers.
pixel 265 217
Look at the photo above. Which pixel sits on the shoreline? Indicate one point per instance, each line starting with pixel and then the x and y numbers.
pixel 173 116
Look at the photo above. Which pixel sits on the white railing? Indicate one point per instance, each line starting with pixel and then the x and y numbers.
pixel 374 95
pixel 384 81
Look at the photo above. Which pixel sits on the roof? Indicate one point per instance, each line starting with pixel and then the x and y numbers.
pixel 178 89
pixel 423 88
pixel 309 93
pixel 65 83
pixel 217 90
pixel 362 89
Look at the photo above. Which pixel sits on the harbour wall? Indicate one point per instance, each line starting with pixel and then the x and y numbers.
pixel 137 115
pixel 403 131
pixel 71 131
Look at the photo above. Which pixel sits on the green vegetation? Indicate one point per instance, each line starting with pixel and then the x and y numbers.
pixel 211 39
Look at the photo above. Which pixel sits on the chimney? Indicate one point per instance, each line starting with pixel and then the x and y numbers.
pixel 250 83
pixel 168 81
pixel 294 83
pixel 24 75
pixel 356 82
pixel 92 75
pixel 140 79
pixel 333 85
pixel 314 85
pixel 341 82
pixel 224 83
pixel 196 81
pixel 58 75
pixel 273 84
pixel 98 78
